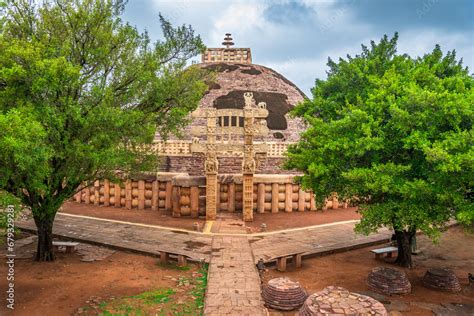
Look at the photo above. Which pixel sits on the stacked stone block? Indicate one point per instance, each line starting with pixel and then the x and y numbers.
pixel 388 281
pixel 442 279
pixel 283 294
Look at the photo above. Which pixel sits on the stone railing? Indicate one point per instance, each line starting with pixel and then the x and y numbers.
pixel 185 195
pixel 183 148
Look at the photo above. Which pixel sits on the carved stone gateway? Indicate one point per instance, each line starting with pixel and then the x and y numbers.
pixel 225 137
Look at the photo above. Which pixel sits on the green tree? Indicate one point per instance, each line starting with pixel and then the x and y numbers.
pixel 81 96
pixel 394 134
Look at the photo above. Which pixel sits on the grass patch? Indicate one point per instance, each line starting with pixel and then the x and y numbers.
pixel 186 298
pixel 155 297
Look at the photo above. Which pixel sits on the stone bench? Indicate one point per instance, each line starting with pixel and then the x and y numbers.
pixel 69 245
pixel 181 257
pixel 282 260
pixel 381 251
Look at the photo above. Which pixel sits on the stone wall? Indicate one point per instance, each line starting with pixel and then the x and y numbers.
pixel 194 165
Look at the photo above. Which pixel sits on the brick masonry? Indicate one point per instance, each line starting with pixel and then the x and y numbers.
pixel 194 166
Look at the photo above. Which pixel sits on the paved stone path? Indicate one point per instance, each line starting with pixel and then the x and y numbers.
pixel 233 282
pixel 315 241
pixel 140 238
pixel 233 286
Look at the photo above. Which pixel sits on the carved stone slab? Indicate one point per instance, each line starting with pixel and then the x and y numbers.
pixel 204 112
pixel 225 150
pixel 257 129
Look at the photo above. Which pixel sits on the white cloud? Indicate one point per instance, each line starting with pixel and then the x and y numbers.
pixel 300 50
pixel 419 42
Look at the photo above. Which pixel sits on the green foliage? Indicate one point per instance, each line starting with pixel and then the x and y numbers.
pixel 82 94
pixel 395 133
pixel 6 199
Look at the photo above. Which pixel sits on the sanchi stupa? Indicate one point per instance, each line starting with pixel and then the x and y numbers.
pixel 236 75
pixel 230 156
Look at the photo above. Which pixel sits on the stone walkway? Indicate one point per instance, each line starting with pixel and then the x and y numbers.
pixel 139 238
pixel 233 282
pixel 314 241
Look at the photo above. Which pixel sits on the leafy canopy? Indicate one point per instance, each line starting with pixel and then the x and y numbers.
pixel 82 94
pixel 394 133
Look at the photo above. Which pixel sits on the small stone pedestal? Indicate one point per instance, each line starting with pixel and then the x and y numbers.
pixel 283 294
pixel 442 279
pixel 388 281
pixel 337 300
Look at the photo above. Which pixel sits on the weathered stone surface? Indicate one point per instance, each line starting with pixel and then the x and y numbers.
pixel 283 294
pixel 338 300
pixel 188 181
pixel 233 282
pixel 442 279
pixel 388 281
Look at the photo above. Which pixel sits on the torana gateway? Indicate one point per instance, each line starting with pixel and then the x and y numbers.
pixel 229 158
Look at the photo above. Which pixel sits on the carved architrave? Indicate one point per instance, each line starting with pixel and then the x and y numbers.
pixel 259 128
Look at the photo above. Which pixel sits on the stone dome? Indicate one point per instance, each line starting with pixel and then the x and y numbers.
pixel 280 95
pixel 235 74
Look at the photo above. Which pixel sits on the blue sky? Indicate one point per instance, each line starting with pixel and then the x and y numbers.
pixel 296 37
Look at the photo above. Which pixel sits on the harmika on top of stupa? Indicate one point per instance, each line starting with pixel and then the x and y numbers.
pixel 236 75
pixel 227 54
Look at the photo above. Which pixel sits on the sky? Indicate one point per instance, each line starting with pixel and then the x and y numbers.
pixel 296 37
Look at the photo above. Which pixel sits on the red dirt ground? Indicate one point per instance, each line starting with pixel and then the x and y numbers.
pixel 350 270
pixel 63 286
pixel 277 221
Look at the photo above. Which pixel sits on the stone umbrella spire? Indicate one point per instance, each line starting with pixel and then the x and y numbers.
pixel 228 40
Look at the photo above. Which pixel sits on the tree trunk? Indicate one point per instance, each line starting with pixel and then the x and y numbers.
pixel 404 241
pixel 44 250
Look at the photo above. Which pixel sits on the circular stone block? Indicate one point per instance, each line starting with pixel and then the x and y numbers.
pixel 337 300
pixel 388 281
pixel 442 279
pixel 283 294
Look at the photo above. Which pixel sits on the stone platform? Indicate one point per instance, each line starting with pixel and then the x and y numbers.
pixel 339 301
